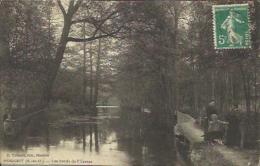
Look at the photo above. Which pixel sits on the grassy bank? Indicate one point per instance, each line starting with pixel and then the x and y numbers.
pixel 218 155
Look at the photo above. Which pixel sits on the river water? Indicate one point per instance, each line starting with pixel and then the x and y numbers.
pixel 114 137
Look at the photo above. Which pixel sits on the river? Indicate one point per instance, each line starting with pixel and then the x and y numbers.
pixel 114 137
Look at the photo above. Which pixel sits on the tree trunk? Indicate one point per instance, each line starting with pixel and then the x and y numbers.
pixel 91 76
pixel 90 137
pixel 96 138
pixel 195 87
pixel 97 78
pixel 58 58
pixel 83 138
pixel 84 67
pixel 213 84
pixel 246 88
pixel 256 53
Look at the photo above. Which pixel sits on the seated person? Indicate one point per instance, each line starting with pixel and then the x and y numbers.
pixel 215 128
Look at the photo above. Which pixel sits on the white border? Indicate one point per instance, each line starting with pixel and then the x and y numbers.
pixel 214 26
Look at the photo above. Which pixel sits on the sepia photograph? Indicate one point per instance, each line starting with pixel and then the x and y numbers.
pixel 129 83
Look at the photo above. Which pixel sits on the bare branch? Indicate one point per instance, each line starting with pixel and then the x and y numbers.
pixel 77 5
pixel 87 20
pixel 99 28
pixel 61 8
pixel 92 20
pixel 97 24
pixel 72 39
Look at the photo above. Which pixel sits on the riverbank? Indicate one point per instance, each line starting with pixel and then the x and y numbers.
pixel 205 154
pixel 219 155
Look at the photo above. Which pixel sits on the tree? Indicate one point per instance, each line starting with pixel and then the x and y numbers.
pixel 27 41
pixel 73 7
pixel 148 73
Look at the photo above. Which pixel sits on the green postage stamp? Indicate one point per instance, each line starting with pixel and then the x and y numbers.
pixel 231 26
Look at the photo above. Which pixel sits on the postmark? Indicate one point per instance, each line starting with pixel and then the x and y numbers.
pixel 231 26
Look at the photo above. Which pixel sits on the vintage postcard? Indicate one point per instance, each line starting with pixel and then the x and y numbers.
pixel 129 83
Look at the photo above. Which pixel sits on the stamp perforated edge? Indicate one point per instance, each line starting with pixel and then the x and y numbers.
pixel 214 26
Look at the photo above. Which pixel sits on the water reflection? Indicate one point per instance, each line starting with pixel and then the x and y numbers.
pixel 126 141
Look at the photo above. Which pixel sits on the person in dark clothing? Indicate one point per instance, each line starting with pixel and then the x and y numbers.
pixel 233 131
pixel 215 131
pixel 210 110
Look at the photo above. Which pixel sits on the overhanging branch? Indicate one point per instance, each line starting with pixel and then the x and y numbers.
pixel 77 5
pixel 72 39
pixel 87 20
pixel 93 21
pixel 61 8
